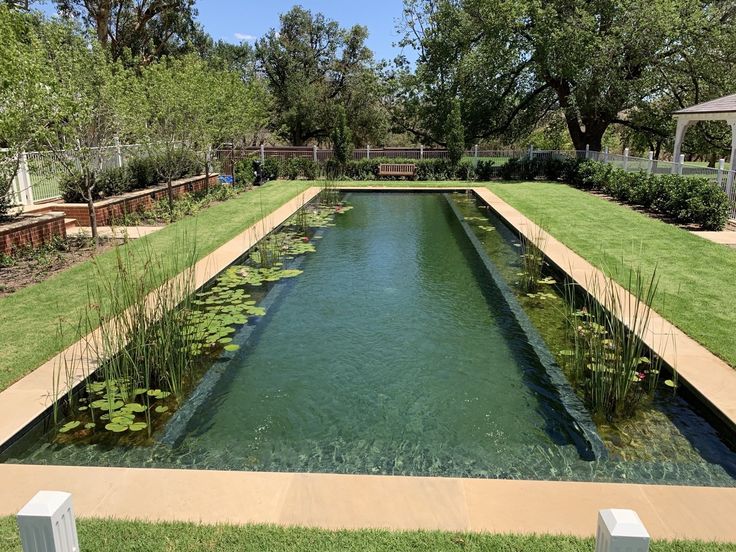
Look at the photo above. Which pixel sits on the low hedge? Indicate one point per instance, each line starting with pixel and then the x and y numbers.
pixel 687 200
pixel 138 173
pixel 275 167
pixel 427 169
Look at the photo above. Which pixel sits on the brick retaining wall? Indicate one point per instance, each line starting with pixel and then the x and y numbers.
pixel 31 230
pixel 108 210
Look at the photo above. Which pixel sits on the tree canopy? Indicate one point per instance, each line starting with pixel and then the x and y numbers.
pixel 312 65
pixel 600 63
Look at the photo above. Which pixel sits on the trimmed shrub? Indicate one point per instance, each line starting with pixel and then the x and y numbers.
pixel 72 189
pixel 142 172
pixel 245 171
pixel 272 168
pixel 114 181
pixel 485 170
pixel 300 167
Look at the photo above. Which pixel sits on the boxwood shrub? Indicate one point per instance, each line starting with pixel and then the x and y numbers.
pixel 687 200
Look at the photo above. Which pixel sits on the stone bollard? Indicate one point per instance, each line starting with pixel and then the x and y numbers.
pixel 47 523
pixel 620 531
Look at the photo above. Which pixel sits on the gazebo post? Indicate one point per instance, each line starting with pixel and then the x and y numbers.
pixel 682 124
pixel 729 180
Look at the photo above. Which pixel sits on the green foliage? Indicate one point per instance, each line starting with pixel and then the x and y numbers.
pixel 455 134
pixel 342 139
pixel 688 200
pixel 313 67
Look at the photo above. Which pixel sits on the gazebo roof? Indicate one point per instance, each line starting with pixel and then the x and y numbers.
pixel 726 104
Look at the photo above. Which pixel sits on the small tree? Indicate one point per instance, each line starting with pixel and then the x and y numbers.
pixel 455 136
pixel 342 139
pixel 84 120
pixel 24 105
pixel 172 99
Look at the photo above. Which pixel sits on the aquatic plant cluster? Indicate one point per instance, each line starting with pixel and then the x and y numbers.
pixel 608 365
pixel 152 355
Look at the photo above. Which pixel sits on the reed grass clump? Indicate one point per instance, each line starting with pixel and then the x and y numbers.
pixel 138 334
pixel 607 360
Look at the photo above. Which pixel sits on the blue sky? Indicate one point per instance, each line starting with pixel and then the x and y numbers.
pixel 232 20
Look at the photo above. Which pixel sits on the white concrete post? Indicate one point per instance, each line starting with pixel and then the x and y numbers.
pixel 626 159
pixel 118 153
pixel 605 154
pixel 587 151
pixel 650 164
pixel 47 523
pixel 531 151
pixel 314 153
pixel 475 151
pixel 421 151
pixel 263 154
pixel 24 180
pixel 368 151
pixel 680 163
pixel 721 166
pixel 620 531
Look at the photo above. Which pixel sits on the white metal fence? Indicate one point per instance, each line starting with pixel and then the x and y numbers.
pixel 40 172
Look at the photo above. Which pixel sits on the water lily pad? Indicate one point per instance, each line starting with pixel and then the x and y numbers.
pixel 232 347
pixel 90 425
pixel 134 407
pixel 138 426
pixel 670 383
pixel 122 420
pixel 104 404
pixel 116 428
pixel 69 426
pixel 161 409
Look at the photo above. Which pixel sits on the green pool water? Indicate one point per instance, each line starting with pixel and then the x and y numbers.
pixel 392 353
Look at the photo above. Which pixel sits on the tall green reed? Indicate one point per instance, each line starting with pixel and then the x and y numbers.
pixel 608 359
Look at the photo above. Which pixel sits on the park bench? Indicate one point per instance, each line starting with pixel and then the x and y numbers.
pixel 397 169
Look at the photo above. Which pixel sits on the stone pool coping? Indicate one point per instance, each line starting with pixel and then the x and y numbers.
pixel 360 501
pixel 333 501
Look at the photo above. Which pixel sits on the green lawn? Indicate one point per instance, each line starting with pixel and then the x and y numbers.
pixel 695 288
pixel 125 536
pixel 29 318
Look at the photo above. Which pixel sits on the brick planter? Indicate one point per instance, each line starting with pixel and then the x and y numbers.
pixel 31 230
pixel 108 210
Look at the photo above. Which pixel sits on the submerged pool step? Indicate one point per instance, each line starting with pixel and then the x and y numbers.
pixel 567 397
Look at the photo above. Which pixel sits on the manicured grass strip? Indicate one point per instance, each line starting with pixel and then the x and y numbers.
pixel 29 318
pixel 696 276
pixel 127 536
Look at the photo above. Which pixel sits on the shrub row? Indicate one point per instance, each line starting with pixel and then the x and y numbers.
pixel 427 169
pixel 688 200
pixel 139 173
pixel 275 167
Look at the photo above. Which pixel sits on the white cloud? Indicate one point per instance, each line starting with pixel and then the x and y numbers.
pixel 245 37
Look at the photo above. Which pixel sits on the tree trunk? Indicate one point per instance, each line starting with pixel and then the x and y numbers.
pixel 92 213
pixel 207 173
pixel 170 193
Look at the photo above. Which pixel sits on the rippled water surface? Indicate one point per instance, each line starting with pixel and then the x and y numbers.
pixel 392 353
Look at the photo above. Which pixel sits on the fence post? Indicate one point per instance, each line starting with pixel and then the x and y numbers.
pixel 314 153
pixel 47 523
pixel 650 165
pixel 605 154
pixel 620 531
pixel 721 166
pixel 263 154
pixel 367 151
pixel 680 163
pixel 531 151
pixel 421 151
pixel 118 153
pixel 587 151
pixel 626 159
pixel 24 180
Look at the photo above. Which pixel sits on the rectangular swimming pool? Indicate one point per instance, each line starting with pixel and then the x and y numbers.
pixel 394 352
